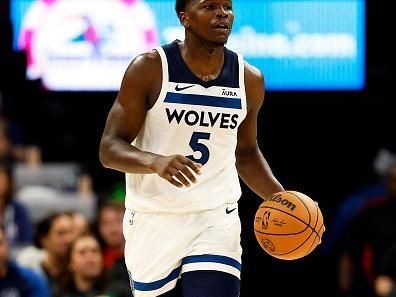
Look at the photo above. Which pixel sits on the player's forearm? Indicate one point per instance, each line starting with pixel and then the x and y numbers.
pixel 119 155
pixel 256 173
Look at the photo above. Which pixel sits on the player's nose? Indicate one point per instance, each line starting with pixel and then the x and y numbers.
pixel 222 12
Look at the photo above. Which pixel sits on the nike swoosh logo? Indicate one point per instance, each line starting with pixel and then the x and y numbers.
pixel 230 211
pixel 178 89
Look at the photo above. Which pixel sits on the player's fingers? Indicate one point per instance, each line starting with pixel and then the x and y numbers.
pixel 174 182
pixel 182 179
pixel 176 173
pixel 196 167
pixel 188 173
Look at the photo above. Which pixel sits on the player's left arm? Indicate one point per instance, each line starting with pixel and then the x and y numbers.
pixel 251 164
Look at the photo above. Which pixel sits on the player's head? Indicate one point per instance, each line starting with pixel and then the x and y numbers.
pixel 206 20
pixel 180 6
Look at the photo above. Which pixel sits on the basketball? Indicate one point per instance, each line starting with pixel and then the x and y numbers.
pixel 289 225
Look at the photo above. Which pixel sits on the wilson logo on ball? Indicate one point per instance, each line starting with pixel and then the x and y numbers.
pixel 278 199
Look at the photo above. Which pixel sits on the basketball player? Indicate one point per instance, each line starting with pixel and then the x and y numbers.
pixel 182 128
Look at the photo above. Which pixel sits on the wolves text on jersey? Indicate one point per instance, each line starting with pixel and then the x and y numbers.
pixel 203 118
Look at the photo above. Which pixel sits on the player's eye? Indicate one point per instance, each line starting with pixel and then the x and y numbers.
pixel 210 7
pixel 228 6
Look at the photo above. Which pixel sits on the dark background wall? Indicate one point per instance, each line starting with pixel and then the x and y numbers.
pixel 319 143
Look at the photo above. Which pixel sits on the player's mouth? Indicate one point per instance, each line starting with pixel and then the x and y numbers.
pixel 222 27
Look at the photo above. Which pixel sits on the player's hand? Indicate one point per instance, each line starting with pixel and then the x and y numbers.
pixel 177 168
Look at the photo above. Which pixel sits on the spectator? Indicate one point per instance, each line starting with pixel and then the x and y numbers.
pixel 15 280
pixel 85 274
pixel 370 237
pixel 54 236
pixel 84 186
pixel 6 153
pixel 109 228
pixel 11 141
pixel 80 223
pixel 385 282
pixel 13 216
pixel 32 156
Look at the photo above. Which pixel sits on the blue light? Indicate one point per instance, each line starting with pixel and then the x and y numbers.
pixel 298 45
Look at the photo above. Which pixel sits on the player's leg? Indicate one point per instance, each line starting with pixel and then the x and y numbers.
pixel 212 266
pixel 153 252
pixel 210 284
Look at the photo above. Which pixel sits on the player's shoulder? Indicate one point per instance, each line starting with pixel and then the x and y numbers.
pixel 254 86
pixel 252 73
pixel 144 70
pixel 149 62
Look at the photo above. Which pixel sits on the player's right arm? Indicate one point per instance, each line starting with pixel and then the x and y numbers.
pixel 139 90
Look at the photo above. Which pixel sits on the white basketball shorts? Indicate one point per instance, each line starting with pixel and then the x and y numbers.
pixel 160 247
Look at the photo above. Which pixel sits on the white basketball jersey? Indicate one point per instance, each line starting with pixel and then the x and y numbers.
pixel 196 119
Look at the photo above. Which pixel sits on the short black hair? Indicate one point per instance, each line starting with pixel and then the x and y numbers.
pixel 44 227
pixel 181 6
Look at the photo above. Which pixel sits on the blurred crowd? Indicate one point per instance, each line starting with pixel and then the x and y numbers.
pixel 56 237
pixel 363 236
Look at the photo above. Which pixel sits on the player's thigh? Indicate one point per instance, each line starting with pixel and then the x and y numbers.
pixel 153 251
pixel 210 284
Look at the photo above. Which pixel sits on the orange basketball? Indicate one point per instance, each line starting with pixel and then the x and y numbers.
pixel 289 225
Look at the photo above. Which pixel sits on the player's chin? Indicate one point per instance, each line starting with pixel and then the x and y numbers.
pixel 220 40
pixel 219 37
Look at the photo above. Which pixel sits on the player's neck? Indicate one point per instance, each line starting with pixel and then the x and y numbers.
pixel 205 60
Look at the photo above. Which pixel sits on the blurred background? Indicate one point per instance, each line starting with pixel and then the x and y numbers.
pixel 321 129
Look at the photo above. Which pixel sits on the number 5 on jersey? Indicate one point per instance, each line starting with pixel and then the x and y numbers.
pixel 199 147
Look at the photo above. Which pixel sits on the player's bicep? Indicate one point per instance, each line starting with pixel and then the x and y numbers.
pixel 247 132
pixel 125 121
pixel 129 110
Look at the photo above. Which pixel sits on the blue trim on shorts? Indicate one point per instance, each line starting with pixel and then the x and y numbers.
pixel 151 286
pixel 159 283
pixel 214 259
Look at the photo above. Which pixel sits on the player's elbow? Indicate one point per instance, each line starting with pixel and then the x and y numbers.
pixel 103 160
pixel 104 154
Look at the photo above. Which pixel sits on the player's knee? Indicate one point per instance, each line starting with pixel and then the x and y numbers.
pixel 210 284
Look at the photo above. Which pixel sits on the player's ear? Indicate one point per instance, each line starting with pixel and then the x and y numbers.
pixel 184 19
